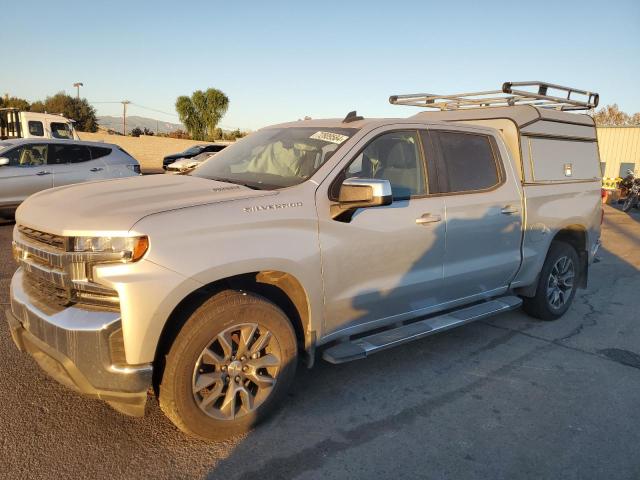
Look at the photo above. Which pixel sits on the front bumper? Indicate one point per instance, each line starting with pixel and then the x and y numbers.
pixel 79 347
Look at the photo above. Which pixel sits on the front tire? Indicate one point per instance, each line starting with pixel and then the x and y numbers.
pixel 556 283
pixel 230 365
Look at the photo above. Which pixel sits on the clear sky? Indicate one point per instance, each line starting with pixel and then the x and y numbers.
pixel 279 61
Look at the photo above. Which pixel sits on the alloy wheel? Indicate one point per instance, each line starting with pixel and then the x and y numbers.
pixel 560 282
pixel 236 371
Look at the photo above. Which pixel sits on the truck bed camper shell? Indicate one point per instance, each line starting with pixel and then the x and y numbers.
pixel 528 122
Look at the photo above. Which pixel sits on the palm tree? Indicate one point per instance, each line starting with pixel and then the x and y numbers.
pixel 202 112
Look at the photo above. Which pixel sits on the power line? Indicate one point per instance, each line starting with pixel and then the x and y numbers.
pixel 154 110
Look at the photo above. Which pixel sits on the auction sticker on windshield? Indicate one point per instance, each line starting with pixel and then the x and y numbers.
pixel 329 137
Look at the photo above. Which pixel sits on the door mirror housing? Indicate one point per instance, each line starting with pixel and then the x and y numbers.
pixel 361 193
pixel 4 161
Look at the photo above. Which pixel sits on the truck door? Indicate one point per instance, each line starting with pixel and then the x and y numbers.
pixel 72 163
pixel 386 261
pixel 26 173
pixel 483 209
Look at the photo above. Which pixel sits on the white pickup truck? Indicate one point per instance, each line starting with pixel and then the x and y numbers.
pixel 15 123
pixel 352 235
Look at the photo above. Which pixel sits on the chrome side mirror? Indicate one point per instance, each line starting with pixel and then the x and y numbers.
pixel 361 193
pixel 4 161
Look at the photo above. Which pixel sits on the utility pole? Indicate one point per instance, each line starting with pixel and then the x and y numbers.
pixel 124 116
pixel 78 85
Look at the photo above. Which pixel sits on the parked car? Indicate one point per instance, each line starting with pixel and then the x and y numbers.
pixel 353 235
pixel 192 152
pixel 185 165
pixel 28 166
pixel 15 123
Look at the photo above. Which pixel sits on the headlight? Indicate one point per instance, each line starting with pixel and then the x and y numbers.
pixel 130 249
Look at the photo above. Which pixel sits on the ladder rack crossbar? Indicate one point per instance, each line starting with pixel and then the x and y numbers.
pixel 507 96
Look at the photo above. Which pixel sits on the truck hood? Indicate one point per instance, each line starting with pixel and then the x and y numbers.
pixel 112 207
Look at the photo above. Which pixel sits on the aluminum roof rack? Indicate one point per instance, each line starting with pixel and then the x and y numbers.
pixel 508 96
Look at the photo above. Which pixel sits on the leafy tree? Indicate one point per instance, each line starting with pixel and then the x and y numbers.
pixel 612 116
pixel 74 109
pixel 136 132
pixel 14 102
pixel 37 106
pixel 147 132
pixel 202 112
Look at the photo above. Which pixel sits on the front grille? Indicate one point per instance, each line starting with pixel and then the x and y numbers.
pixel 46 292
pixel 55 241
pixel 57 278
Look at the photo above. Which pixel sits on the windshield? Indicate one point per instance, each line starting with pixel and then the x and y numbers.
pixel 192 151
pixel 61 130
pixel 201 157
pixel 275 157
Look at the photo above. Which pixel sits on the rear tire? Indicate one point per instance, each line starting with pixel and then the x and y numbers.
pixel 230 365
pixel 556 284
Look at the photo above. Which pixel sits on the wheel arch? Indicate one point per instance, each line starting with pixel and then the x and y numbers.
pixel 281 288
pixel 575 235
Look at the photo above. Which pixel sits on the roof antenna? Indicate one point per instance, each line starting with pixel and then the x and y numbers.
pixel 352 117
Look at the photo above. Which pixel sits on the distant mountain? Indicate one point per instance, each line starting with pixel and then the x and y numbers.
pixel 133 121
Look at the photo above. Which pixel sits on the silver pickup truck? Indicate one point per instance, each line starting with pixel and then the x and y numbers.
pixel 353 235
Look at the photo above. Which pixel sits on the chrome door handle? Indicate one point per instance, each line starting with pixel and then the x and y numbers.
pixel 509 210
pixel 43 172
pixel 96 169
pixel 428 218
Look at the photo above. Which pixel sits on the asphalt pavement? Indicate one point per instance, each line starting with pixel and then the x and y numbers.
pixel 507 398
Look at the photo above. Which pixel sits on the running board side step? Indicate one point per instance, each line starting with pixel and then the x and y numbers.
pixel 365 346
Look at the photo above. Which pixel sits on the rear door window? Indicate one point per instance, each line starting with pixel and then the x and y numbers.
pixel 465 162
pixel 36 129
pixel 99 152
pixel 63 154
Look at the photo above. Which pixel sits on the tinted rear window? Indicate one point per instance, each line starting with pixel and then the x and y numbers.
pixel 467 162
pixel 61 154
pixel 98 152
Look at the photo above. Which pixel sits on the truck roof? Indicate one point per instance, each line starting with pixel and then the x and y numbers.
pixel 521 115
pixel 339 123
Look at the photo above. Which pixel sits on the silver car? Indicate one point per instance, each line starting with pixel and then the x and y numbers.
pixel 28 166
pixel 186 165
